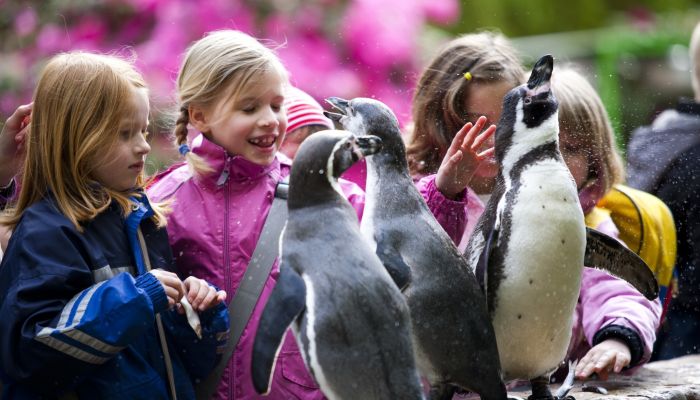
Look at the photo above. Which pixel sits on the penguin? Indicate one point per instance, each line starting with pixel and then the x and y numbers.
pixel 350 320
pixel 453 338
pixel 531 243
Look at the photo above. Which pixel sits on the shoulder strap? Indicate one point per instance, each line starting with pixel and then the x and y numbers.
pixel 246 297
pixel 159 323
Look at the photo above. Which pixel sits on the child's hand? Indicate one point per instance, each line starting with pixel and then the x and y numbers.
pixel 462 158
pixel 608 355
pixel 172 285
pixel 12 138
pixel 202 296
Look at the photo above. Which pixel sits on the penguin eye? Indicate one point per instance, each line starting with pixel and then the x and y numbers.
pixel 347 145
pixel 527 100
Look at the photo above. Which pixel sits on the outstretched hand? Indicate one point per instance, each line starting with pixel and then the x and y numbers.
pixel 608 355
pixel 463 157
pixel 12 138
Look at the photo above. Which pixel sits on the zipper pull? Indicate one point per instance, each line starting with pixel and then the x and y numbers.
pixel 224 174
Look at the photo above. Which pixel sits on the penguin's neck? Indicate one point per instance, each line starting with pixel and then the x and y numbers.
pixel 312 189
pixel 526 142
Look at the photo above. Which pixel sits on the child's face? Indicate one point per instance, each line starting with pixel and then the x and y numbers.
pixel 486 99
pixel 254 126
pixel 293 140
pixel 124 161
pixel 575 155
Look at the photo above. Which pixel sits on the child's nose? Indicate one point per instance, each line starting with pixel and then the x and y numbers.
pixel 269 119
pixel 142 146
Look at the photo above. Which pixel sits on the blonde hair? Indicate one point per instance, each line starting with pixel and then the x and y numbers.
pixel 694 50
pixel 79 100
pixel 584 118
pixel 223 63
pixel 440 97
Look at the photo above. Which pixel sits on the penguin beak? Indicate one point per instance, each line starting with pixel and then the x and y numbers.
pixel 368 145
pixel 340 105
pixel 541 74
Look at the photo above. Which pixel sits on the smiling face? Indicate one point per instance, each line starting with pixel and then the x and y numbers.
pixel 122 163
pixel 251 125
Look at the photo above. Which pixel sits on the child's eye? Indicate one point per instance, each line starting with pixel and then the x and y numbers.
pixel 249 109
pixel 276 108
pixel 124 135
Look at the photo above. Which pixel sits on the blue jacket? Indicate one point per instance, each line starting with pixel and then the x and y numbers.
pixel 77 311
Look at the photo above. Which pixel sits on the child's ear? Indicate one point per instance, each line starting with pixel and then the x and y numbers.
pixel 198 118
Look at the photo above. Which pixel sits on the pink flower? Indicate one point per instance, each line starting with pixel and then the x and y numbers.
pixel 25 22
pixel 443 12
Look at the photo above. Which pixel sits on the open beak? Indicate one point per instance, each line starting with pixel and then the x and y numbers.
pixel 541 74
pixel 368 145
pixel 341 105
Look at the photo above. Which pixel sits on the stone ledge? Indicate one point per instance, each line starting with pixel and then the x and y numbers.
pixel 677 379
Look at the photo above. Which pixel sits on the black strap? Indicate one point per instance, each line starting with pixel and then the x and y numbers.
pixel 246 297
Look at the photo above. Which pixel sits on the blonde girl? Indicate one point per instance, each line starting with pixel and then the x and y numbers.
pixel 231 91
pixel 614 325
pixel 78 298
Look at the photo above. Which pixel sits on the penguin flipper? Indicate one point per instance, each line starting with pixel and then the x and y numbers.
pixel 604 252
pixel 399 271
pixel 286 302
pixel 482 266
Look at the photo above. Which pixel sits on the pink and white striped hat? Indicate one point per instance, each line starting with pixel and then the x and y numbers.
pixel 303 110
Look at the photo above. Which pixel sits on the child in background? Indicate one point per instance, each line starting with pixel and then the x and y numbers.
pixel 615 326
pixel 469 77
pixel 231 89
pixel 79 314
pixel 304 118
pixel 466 79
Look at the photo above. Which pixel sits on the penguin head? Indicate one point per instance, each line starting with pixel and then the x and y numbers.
pixel 363 116
pixel 529 117
pixel 323 157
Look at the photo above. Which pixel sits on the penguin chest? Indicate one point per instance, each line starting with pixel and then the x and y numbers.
pixel 543 224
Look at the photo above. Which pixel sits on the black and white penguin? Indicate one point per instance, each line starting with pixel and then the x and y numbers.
pixel 530 245
pixel 349 318
pixel 452 334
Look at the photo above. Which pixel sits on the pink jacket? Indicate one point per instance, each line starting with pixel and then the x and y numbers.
pixel 213 231
pixel 605 300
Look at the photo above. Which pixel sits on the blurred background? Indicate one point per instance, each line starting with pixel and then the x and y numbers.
pixel 635 52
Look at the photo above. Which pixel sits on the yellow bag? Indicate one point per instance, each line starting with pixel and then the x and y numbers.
pixel 646 225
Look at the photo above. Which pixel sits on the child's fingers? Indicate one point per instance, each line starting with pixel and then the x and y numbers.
pixel 220 296
pixel 483 137
pixel 459 138
pixel 490 152
pixel 200 296
pixel 208 300
pixel 621 361
pixel 473 132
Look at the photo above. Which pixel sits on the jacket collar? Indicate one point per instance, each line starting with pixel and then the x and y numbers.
pixel 227 167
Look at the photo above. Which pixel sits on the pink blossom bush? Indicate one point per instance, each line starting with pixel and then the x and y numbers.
pixel 332 48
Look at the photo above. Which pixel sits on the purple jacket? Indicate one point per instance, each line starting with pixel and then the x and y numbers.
pixel 214 228
pixel 605 300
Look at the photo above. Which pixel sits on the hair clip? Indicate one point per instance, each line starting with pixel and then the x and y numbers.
pixel 184 149
pixel 468 76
